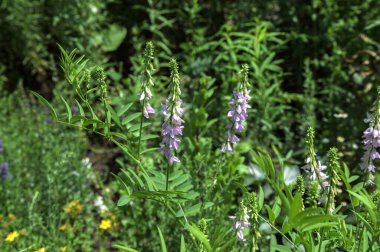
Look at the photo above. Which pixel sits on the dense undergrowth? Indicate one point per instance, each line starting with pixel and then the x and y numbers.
pixel 84 166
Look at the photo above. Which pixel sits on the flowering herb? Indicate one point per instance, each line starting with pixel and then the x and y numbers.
pixel 333 169
pixel 99 203
pixel 314 169
pixel 172 111
pixel 300 185
pixel 11 237
pixel 237 113
pixel 4 170
pixel 314 193
pixel 241 221
pixel 253 213
pixel 371 141
pixel 74 207
pixel 100 78
pixel 147 81
pixel 105 224
pixel 64 227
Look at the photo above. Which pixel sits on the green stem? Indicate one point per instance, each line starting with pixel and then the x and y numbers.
pixel 361 236
pixel 282 234
pixel 140 132
pixel 81 127
pixel 167 176
pixel 166 203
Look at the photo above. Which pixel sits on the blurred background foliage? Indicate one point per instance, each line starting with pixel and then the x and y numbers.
pixel 312 63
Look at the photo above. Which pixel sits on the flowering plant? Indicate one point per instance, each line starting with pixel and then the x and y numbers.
pixel 297 214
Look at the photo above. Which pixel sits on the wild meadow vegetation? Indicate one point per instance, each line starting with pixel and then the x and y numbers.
pixel 189 125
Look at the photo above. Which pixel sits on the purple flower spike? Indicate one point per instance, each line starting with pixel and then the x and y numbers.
pixel 241 223
pixel 148 110
pixel 316 173
pixel 146 93
pixel 371 141
pixel 172 111
pixel 4 170
pixel 237 113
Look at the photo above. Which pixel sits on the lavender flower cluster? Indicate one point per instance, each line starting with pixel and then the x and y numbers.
pixel 146 94
pixel 4 170
pixel 371 141
pixel 4 167
pixel 316 172
pixel 314 169
pixel 237 113
pixel 171 129
pixel 172 111
pixel 241 224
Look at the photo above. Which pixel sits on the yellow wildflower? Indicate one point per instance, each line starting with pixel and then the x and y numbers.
pixel 73 207
pixel 105 224
pixel 12 217
pixel 12 236
pixel 63 249
pixel 40 250
pixel 64 227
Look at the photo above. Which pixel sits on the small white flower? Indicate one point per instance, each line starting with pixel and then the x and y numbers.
pixel 99 203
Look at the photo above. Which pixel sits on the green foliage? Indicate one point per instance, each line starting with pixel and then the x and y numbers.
pixel 45 172
pixel 311 64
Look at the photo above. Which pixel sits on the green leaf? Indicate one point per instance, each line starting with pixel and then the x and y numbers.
pixel 316 226
pixel 163 245
pixel 200 236
pixel 365 240
pixel 286 226
pixel 148 150
pixel 123 200
pixel 271 215
pixel 124 109
pixel 193 210
pixel 183 244
pixel 136 126
pixel 47 104
pixel 119 135
pixel 131 117
pixel 281 248
pixel 296 206
pixel 261 198
pixel 111 113
pixel 124 248
pixel 362 198
pixel 126 150
pixel 81 111
pixel 68 109
pixel 148 136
